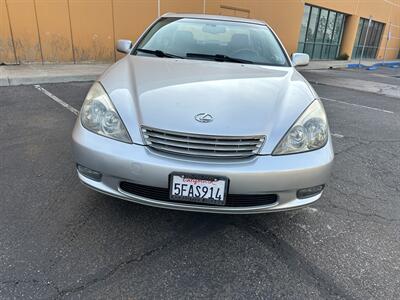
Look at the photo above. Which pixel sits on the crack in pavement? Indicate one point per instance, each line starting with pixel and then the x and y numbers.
pixel 359 213
pixel 347 181
pixel 198 227
pixel 373 87
pixel 71 290
pixel 362 142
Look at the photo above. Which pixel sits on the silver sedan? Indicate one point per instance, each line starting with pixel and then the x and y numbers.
pixel 205 113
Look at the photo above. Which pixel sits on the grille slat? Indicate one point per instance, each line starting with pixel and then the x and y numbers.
pixel 232 200
pixel 199 144
pixel 199 140
pixel 202 145
pixel 199 152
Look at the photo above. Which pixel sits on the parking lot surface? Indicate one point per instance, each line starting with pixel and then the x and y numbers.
pixel 59 239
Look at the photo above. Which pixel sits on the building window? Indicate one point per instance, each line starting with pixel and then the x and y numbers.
pixel 321 32
pixel 371 41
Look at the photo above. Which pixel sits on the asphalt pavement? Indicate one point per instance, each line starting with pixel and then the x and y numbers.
pixel 59 239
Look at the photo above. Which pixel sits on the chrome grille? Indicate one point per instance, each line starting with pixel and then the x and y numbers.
pixel 202 145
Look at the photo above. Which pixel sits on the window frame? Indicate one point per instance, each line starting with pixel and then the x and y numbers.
pixel 372 41
pixel 322 50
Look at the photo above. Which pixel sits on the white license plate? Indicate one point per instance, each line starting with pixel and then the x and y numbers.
pixel 198 188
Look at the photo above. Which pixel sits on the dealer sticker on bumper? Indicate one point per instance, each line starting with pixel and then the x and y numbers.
pixel 198 188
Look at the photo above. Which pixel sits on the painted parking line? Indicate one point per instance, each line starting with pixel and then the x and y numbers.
pixel 358 105
pixel 58 100
pixel 337 135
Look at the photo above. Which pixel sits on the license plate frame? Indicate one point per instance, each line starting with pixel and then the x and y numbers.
pixel 198 200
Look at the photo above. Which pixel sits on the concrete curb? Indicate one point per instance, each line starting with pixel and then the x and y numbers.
pixel 381 89
pixel 38 74
pixel 45 79
pixel 340 64
pixel 3 77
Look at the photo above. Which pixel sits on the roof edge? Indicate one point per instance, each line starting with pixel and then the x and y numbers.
pixel 213 17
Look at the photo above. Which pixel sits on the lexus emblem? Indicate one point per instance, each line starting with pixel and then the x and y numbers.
pixel 204 118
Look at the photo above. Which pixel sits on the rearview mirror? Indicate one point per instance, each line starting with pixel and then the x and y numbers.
pixel 124 46
pixel 300 59
pixel 213 29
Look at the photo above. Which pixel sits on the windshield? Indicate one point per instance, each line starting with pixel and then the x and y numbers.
pixel 212 40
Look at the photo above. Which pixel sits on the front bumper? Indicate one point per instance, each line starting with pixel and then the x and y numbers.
pixel 281 175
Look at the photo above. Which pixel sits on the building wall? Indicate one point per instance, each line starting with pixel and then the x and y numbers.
pixel 74 31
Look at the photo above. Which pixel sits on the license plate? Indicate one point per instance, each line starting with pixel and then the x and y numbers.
pixel 198 188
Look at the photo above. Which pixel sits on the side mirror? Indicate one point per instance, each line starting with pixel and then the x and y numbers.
pixel 300 59
pixel 124 46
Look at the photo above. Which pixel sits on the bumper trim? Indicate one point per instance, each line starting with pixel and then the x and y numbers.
pixel 275 207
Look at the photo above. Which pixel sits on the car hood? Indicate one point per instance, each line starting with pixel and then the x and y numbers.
pixel 244 100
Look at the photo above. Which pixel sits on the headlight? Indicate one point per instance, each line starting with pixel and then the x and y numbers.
pixel 99 115
pixel 308 133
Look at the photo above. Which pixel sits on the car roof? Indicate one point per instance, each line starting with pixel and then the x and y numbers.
pixel 213 17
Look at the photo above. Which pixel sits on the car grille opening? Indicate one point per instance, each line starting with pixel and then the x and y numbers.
pixel 198 145
pixel 232 200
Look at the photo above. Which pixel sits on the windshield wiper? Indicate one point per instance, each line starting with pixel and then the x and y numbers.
pixel 219 57
pixel 158 53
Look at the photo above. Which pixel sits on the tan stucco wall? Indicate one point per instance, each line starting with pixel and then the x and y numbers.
pixel 384 11
pixel 71 31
